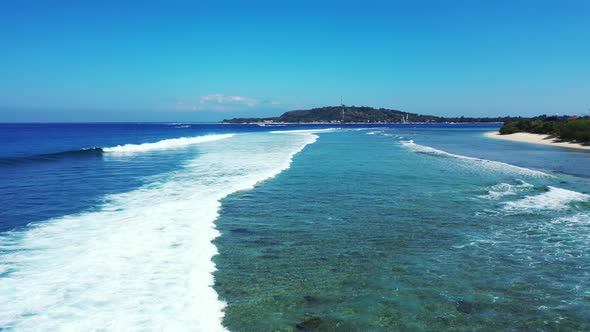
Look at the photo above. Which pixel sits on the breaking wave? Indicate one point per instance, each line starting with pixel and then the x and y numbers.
pixel 173 143
pixel 305 131
pixel 143 260
pixel 553 199
pixel 489 164
pixel 506 189
pixel 167 144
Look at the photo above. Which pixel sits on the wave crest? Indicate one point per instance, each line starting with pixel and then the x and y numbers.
pixel 506 189
pixel 305 131
pixel 167 144
pixel 490 164
pixel 143 261
pixel 553 199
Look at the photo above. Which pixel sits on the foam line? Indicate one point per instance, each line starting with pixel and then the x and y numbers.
pixel 143 261
pixel 553 199
pixel 489 164
pixel 305 131
pixel 578 218
pixel 506 189
pixel 167 144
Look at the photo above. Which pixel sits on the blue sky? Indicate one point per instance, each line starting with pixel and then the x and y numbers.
pixel 209 60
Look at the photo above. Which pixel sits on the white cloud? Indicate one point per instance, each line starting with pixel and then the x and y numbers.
pixel 225 103
pixel 228 100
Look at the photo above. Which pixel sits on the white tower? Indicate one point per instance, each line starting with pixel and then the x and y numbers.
pixel 342 106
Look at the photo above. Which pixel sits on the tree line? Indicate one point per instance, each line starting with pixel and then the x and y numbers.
pixel 565 128
pixel 362 114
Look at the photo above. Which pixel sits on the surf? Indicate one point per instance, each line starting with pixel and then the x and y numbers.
pixel 506 189
pixel 552 199
pixel 167 144
pixel 126 149
pixel 142 260
pixel 496 166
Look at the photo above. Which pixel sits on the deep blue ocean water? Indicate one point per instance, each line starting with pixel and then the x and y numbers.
pixel 209 226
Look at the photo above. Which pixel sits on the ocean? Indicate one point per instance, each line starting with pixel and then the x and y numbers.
pixel 212 227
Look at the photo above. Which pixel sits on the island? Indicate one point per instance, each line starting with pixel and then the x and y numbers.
pixel 362 114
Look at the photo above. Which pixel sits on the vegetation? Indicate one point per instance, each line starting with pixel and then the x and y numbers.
pixel 565 128
pixel 360 114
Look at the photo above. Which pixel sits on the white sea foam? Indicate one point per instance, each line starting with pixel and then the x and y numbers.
pixel 305 131
pixel 496 166
pixel 576 219
pixel 173 143
pixel 143 261
pixel 505 189
pixel 553 199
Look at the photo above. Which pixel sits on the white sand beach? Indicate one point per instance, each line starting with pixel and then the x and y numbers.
pixel 536 139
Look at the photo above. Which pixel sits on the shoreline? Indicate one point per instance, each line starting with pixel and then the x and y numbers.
pixel 536 139
pixel 262 124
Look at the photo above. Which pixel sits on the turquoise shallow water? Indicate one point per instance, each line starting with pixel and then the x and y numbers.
pixel 405 229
